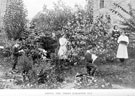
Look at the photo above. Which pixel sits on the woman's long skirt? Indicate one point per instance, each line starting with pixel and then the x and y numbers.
pixel 122 51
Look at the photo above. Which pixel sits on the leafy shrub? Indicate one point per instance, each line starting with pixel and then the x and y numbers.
pixel 83 33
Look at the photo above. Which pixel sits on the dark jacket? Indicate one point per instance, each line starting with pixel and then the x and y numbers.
pixel 115 34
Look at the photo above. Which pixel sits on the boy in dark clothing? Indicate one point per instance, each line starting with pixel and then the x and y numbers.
pixel 16 54
pixel 90 66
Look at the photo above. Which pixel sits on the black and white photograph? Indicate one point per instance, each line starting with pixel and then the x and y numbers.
pixel 67 44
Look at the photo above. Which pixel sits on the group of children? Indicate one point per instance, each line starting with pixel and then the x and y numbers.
pixel 89 57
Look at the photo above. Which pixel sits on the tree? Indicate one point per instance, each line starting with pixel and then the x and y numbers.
pixel 15 19
pixel 52 20
pixel 129 23
pixel 89 9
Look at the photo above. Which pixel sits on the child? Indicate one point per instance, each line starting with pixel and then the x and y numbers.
pixel 16 54
pixel 90 66
pixel 62 53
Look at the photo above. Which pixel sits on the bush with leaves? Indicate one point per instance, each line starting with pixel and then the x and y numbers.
pixel 34 68
pixel 82 32
pixel 91 36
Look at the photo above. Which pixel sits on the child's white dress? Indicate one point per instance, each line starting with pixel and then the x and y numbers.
pixel 62 53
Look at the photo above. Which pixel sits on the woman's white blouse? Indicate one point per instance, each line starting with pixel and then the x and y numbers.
pixel 123 38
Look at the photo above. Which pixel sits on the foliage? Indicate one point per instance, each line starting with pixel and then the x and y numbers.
pixel 82 32
pixel 15 19
pixel 31 63
pixel 85 35
pixel 130 13
pixel 89 9
pixel 52 20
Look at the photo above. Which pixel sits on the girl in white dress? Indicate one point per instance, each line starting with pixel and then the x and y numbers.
pixel 62 53
pixel 122 52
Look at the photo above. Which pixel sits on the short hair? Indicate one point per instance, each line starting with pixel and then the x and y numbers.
pixel 115 26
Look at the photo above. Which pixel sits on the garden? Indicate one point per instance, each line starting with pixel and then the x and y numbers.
pixel 84 32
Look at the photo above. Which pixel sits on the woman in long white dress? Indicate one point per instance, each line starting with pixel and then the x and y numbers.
pixel 62 53
pixel 122 52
